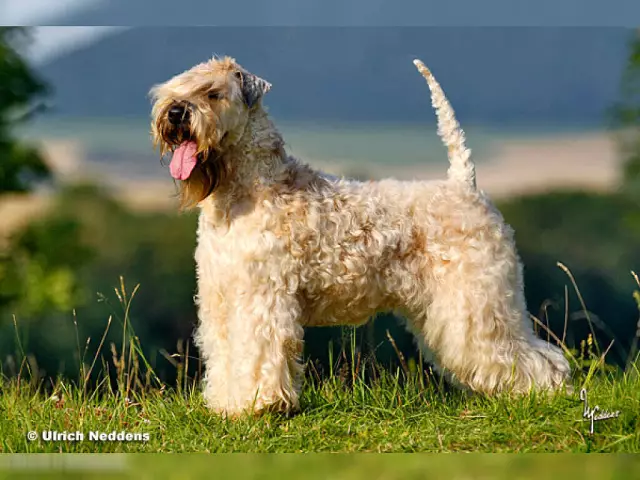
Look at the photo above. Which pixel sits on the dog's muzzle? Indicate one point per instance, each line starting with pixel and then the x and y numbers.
pixel 178 115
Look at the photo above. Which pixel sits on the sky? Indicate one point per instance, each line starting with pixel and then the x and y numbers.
pixel 39 12
pixel 51 41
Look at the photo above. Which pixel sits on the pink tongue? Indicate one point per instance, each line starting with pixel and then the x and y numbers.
pixel 184 160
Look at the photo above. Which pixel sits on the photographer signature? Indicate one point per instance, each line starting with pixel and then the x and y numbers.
pixel 591 413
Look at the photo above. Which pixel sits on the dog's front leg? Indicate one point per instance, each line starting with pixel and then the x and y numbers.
pixel 251 341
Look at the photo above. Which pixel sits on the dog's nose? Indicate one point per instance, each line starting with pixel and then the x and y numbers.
pixel 178 115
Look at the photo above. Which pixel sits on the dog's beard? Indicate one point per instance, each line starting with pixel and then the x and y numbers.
pixel 199 175
pixel 182 145
pixel 168 137
pixel 200 167
pixel 205 178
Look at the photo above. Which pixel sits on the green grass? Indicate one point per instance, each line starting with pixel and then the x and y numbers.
pixel 404 411
pixel 384 417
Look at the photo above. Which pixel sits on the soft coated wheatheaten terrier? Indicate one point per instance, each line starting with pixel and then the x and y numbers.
pixel 282 246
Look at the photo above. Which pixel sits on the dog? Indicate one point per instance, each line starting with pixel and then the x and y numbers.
pixel 282 246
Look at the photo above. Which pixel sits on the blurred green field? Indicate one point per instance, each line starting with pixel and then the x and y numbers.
pixel 323 466
pixel 356 142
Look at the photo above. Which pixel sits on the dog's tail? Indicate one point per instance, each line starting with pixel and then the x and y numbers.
pixel 462 169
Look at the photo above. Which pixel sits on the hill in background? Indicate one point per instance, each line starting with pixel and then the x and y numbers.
pixel 492 75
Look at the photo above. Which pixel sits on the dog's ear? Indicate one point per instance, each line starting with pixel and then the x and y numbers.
pixel 252 87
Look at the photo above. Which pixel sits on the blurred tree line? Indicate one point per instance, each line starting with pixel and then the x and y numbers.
pixel 21 94
pixel 58 274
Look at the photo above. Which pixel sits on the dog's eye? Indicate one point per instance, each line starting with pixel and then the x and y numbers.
pixel 214 95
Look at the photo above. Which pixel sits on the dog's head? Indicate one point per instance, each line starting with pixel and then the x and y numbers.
pixel 197 115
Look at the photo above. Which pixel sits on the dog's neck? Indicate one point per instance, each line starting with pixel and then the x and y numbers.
pixel 253 163
pixel 256 158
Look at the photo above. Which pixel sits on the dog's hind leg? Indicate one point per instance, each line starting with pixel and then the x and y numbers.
pixel 477 327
